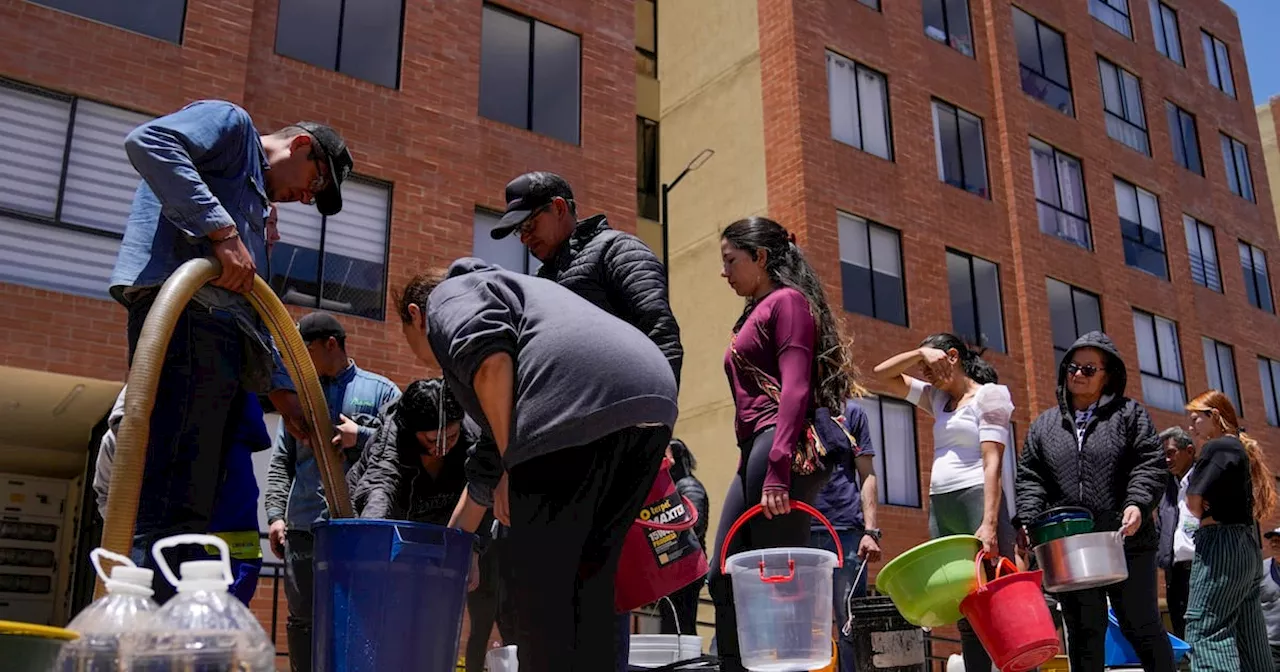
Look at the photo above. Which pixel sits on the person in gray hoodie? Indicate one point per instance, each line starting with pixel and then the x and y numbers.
pixel 580 407
pixel 1098 449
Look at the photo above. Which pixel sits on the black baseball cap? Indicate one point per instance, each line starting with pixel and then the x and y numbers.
pixel 334 148
pixel 318 325
pixel 1272 533
pixel 525 195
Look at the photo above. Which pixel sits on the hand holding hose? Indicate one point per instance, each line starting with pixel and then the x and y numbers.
pixel 290 409
pixel 238 268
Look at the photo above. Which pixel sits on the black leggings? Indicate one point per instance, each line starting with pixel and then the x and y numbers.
pixel 790 530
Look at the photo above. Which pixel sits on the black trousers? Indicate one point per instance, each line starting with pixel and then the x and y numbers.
pixel 1177 590
pixel 483 606
pixel 1135 603
pixel 684 607
pixel 570 512
pixel 792 529
pixel 299 584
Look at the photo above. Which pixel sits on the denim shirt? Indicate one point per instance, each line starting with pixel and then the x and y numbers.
pixel 351 393
pixel 202 169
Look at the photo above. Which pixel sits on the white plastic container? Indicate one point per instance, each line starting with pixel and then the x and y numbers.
pixel 657 650
pixel 102 626
pixel 782 597
pixel 203 627
pixel 501 659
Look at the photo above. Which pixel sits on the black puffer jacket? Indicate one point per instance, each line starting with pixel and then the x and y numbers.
pixel 620 274
pixel 1120 464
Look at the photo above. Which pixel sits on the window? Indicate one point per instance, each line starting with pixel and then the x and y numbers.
pixel 1217 62
pixel 873 4
pixel 1186 142
pixel 1140 229
pixel 1220 368
pixel 530 74
pixel 161 19
pixel 1269 373
pixel 1164 26
pixel 975 300
pixel 892 425
pixel 1160 361
pixel 647 38
pixel 1042 60
pixel 1113 13
pixel 361 40
pixel 1257 284
pixel 647 168
pixel 66 188
pixel 859 106
pixel 1122 103
pixel 336 263
pixel 962 156
pixel 871 270
pixel 1203 252
pixel 508 253
pixel 1236 159
pixel 1073 312
pixel 1060 194
pixel 947 21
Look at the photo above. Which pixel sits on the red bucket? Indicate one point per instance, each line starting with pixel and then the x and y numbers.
pixel 661 553
pixel 1011 618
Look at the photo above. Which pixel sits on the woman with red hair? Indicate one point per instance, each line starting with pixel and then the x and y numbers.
pixel 1230 489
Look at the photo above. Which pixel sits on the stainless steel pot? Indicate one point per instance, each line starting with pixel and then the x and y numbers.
pixel 1083 561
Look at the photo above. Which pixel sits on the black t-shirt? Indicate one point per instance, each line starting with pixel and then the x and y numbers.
pixel 432 500
pixel 1221 477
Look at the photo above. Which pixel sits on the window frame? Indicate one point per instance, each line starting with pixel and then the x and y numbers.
pixel 337 55
pixel 642 197
pixel 858 66
pixel 949 39
pixel 1217 346
pixel 1251 276
pixel 526 258
pixel 902 269
pixel 1126 13
pixel 1041 73
pixel 1173 112
pixel 182 22
pixel 1154 321
pixel 1160 31
pixel 530 74
pixel 1271 381
pixel 940 106
pixel 1072 290
pixel 1233 167
pixel 1057 177
pixel 1120 182
pixel 1209 44
pixel 1123 116
pixel 1197 224
pixel 881 448
pixel 977 312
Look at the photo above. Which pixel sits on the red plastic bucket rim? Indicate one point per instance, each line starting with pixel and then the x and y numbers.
pixel 757 509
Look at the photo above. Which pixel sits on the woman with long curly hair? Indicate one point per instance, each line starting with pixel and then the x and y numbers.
pixel 786 364
pixel 1231 490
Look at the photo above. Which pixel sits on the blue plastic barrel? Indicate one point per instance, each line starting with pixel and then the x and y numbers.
pixel 389 595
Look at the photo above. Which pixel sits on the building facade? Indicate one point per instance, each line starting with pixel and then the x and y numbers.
pixel 441 104
pixel 1014 172
pixel 1268 127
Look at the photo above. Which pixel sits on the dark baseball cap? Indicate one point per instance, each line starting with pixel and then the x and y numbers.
pixel 319 325
pixel 525 195
pixel 334 148
pixel 1272 533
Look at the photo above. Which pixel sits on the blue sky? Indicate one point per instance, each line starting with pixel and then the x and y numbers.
pixel 1259 25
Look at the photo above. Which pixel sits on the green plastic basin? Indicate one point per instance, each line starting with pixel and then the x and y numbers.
pixel 928 582
pixel 26 647
pixel 1060 529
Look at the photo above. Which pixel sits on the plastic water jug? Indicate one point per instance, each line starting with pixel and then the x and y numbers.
pixel 125 608
pixel 501 659
pixel 204 628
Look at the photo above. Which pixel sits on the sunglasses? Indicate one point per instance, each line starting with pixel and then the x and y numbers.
pixel 1088 370
pixel 527 225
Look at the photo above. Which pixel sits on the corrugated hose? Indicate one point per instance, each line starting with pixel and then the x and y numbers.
pixel 144 379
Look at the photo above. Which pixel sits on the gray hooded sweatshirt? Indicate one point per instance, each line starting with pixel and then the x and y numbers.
pixel 580 373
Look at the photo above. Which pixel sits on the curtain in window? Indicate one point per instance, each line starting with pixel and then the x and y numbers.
pixel 841 86
pixel 874 113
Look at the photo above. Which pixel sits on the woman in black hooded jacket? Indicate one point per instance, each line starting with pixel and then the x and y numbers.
pixel 1098 449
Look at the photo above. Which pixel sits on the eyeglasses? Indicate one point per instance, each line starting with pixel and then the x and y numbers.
pixel 1088 370
pixel 527 225
pixel 321 181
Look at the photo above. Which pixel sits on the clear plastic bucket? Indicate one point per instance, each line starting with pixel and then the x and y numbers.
pixel 502 659
pixel 782 597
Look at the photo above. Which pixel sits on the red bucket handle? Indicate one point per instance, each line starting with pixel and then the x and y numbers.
pixel 982 576
pixel 691 520
pixel 751 512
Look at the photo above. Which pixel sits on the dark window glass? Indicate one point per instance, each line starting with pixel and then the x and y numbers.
pixel 975 300
pixel 1203 252
pixel 557 57
pixel 947 21
pixel 1042 55
pixel 361 40
pixel 1113 13
pixel 647 167
pixel 308 31
pixel 962 160
pixel 1164 26
pixel 1122 105
pixel 1257 282
pixel 530 74
pixel 871 269
pixel 160 19
pixel 504 67
pixel 1186 141
pixel 1140 229
pixel 1073 312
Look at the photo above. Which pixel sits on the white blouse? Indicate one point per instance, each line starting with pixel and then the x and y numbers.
pixel 958 436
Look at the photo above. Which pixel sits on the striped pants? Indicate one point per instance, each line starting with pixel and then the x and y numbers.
pixel 1224 613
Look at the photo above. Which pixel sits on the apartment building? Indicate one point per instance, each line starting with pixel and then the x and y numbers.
pixel 441 103
pixel 1015 172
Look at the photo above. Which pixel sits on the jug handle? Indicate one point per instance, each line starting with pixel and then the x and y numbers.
pixel 796 506
pixel 96 555
pixel 224 554
pixel 982 576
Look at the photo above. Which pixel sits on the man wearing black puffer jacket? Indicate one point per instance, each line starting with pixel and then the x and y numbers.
pixel 1098 449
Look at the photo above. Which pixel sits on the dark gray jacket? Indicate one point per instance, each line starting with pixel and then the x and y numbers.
pixel 618 273
pixel 1120 464
pixel 580 373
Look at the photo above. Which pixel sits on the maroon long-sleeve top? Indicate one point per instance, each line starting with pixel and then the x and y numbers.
pixel 778 338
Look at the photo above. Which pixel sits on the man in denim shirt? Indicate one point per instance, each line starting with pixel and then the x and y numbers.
pixel 294 499
pixel 208 182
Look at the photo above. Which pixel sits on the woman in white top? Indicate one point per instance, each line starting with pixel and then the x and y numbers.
pixel 971 487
